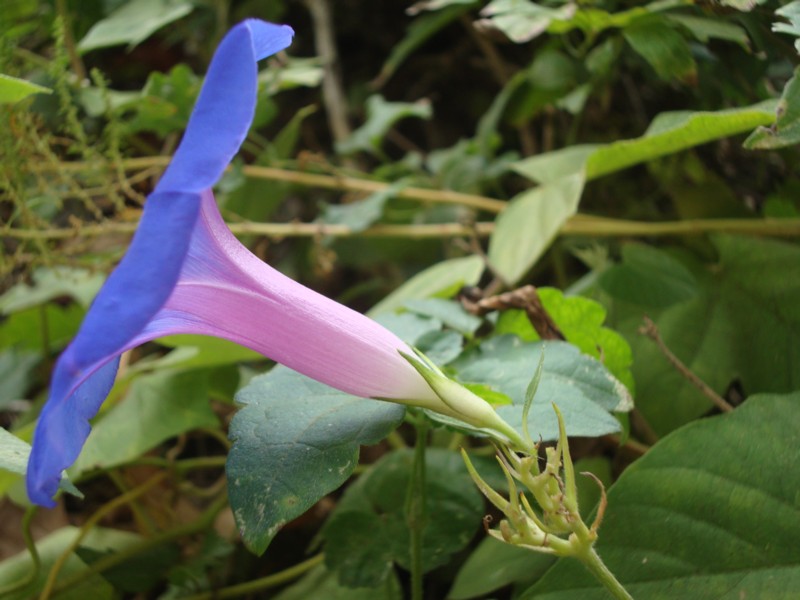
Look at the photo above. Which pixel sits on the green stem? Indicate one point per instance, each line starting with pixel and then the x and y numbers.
pixel 415 510
pixel 396 441
pixel 595 564
pixel 35 560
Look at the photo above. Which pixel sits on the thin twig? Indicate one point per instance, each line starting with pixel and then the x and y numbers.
pixel 349 184
pixel 525 298
pixel 630 444
pixel 581 224
pixel 650 329
pixel 275 230
pixel 332 89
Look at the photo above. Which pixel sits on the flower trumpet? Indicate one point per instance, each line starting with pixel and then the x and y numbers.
pixel 185 272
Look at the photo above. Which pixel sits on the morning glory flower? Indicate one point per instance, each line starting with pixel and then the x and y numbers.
pixel 185 272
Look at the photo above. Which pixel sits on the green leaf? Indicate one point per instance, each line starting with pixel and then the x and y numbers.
pixel 321 584
pixel 50 550
pixel 493 565
pixel 368 531
pixel 164 104
pixel 381 117
pixel 581 386
pixel 445 276
pixel 361 214
pixel 41 329
pixel 436 5
pixel 581 321
pixel 134 22
pixel 409 327
pixel 13 90
pixel 157 407
pixel 743 326
pixel 198 351
pixel 16 373
pixel 52 283
pixel 649 277
pixel 449 312
pixel 663 48
pixel 712 511
pixel 294 72
pixel 14 454
pixel 420 31
pixel 532 220
pixel 785 131
pixel 669 133
pixel 790 12
pixel 441 347
pixel 743 5
pixel 522 20
pixel 294 441
pixel 705 29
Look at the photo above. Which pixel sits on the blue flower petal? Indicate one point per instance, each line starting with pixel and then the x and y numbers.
pixel 65 426
pixel 147 275
pixel 83 376
pixel 225 107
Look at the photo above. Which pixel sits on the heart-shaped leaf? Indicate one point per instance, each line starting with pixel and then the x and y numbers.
pixel 294 441
pixel 711 511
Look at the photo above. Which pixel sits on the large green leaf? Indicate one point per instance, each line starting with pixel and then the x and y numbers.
pixel 743 325
pixel 581 386
pixel 134 22
pixel 712 511
pixel 294 441
pixel 669 133
pixel 649 277
pixel 157 407
pixel 368 531
pixel 443 277
pixel 530 222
